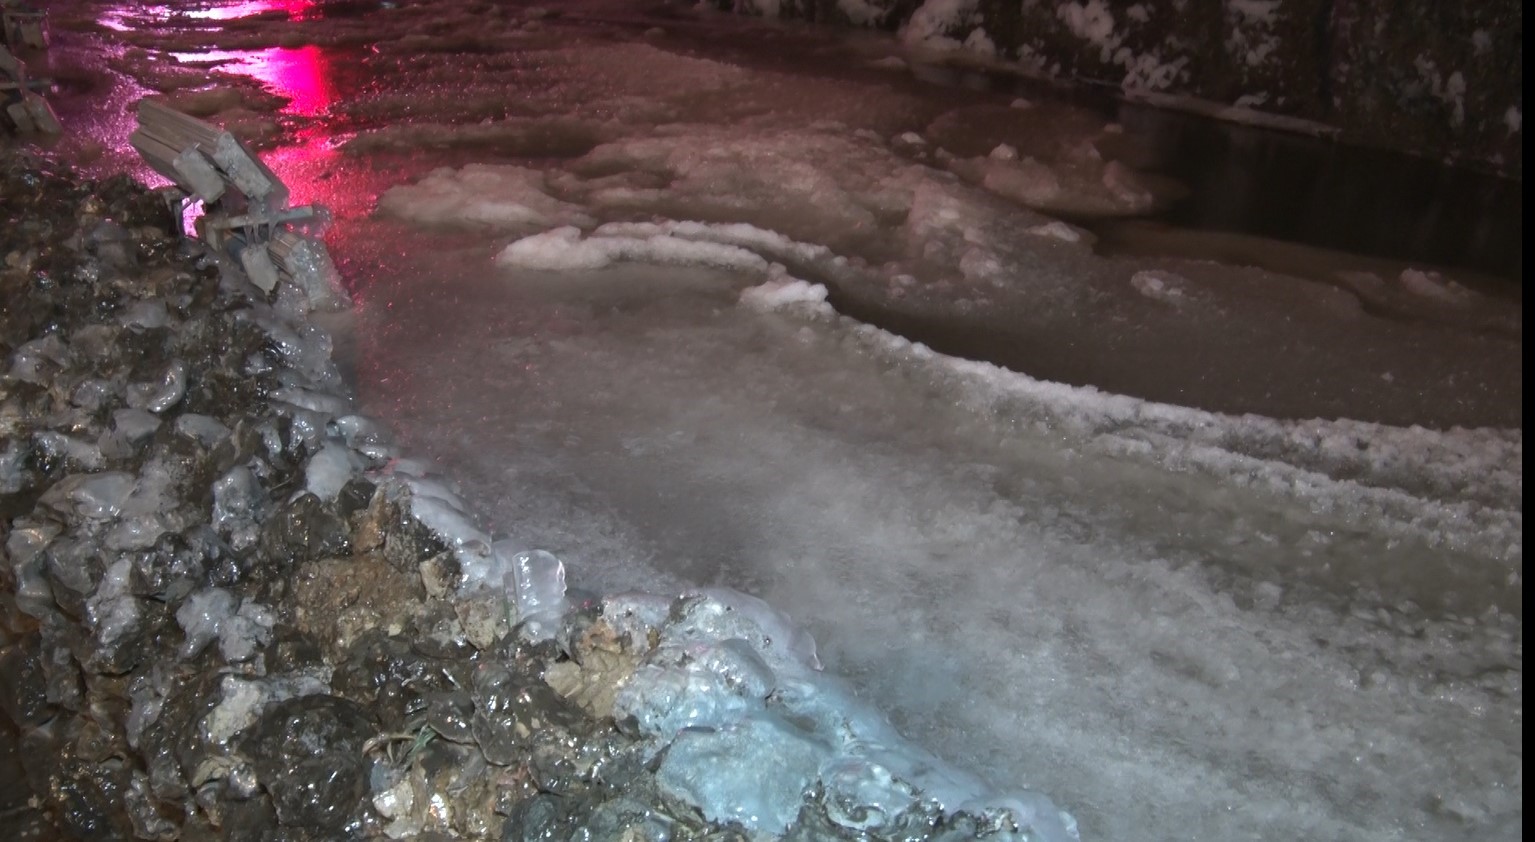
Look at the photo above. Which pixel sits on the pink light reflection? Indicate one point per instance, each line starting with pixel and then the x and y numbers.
pixel 299 74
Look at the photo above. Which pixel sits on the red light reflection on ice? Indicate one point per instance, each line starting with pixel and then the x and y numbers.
pixel 299 74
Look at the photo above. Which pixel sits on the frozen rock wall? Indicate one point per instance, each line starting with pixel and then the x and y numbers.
pixel 1439 79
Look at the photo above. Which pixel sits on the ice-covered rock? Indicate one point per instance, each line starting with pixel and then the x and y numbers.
pixel 35 361
pixel 239 625
pixel 243 700
pixel 313 400
pixel 73 451
pixel 206 429
pixel 238 501
pixel 113 609
pixel 98 496
pixel 163 393
pixel 24 548
pixel 134 425
pixel 728 686
pixel 301 346
pixel 366 436
pixel 754 771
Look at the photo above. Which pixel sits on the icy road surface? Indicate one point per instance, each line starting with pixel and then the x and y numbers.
pixel 1133 572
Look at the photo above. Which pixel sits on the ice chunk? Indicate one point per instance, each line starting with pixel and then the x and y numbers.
pixel 1058 230
pixel 764 242
pixel 538 589
pixel 1434 286
pixel 329 470
pixel 1128 188
pixel 138 532
pixel 13 467
pixel 423 484
pixel 307 427
pixel 244 700
pixel 27 539
pixel 666 700
pixel 364 435
pixel 200 616
pixel 728 677
pixel 315 282
pixel 754 772
pixel 92 394
pixel 785 293
pixel 446 520
pixel 936 24
pixel 737 664
pixel 563 250
pixel 148 690
pixel 1003 152
pixel 699 685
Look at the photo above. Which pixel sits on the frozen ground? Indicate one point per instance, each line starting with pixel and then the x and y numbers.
pixel 1131 572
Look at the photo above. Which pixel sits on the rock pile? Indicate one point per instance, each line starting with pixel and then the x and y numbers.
pixel 229 609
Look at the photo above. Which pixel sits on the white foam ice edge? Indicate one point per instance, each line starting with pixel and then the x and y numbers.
pixel 1451 487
